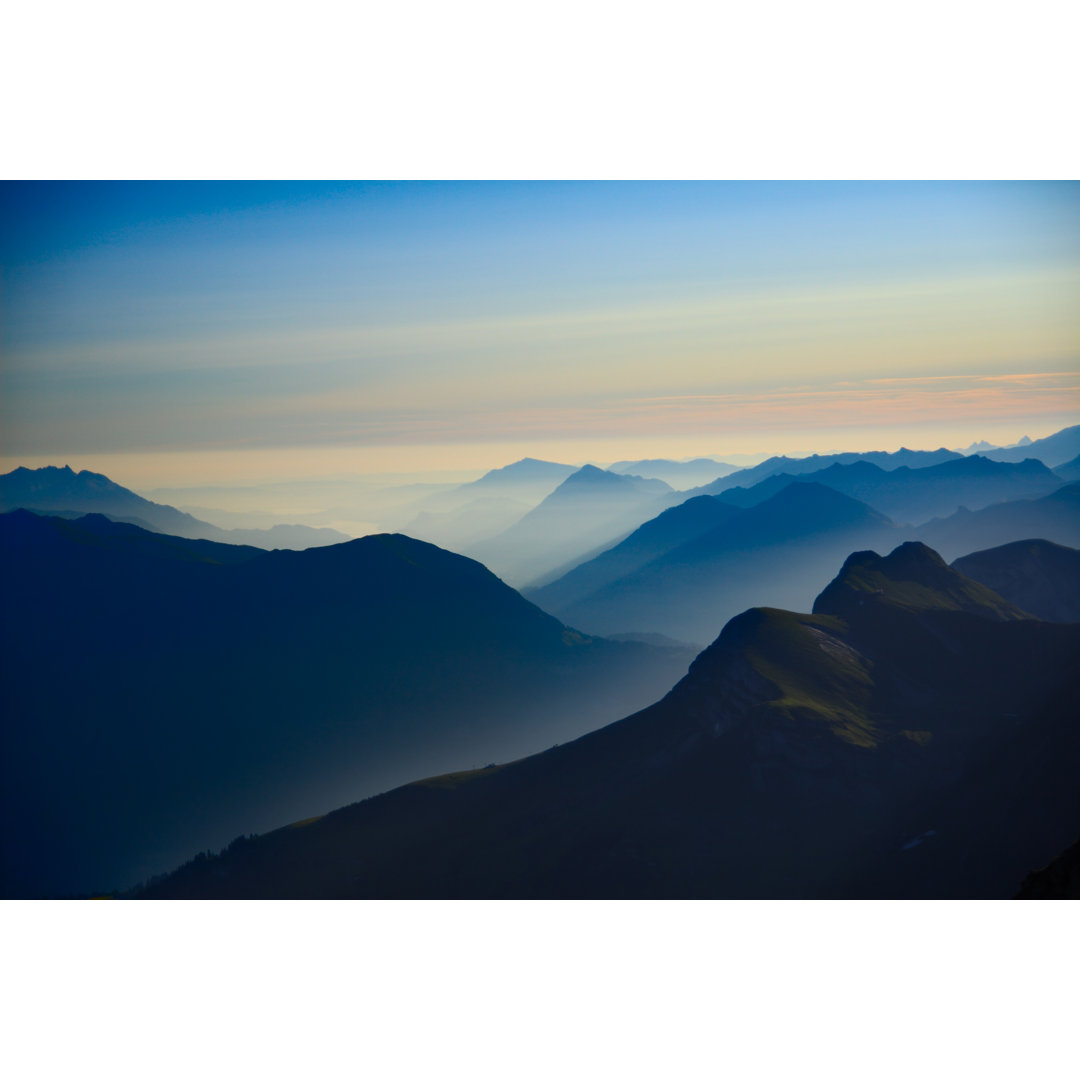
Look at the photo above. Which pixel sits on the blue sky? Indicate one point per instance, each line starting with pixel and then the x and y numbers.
pixel 581 320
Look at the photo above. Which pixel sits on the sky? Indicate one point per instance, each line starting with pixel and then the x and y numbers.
pixel 187 332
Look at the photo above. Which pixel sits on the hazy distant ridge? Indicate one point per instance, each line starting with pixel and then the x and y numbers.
pixel 51 489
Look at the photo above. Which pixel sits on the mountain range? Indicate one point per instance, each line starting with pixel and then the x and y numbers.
pixel 1052 451
pixel 679 474
pixel 915 459
pixel 163 694
pixel 910 732
pixel 912 496
pixel 705 563
pixel 1054 517
pixel 914 736
pixel 699 563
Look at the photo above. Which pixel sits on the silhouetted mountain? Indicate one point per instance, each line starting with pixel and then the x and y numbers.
pixel 162 694
pixel 915 459
pixel 915 737
pixel 1036 575
pixel 775 553
pixel 590 509
pixel 50 490
pixel 913 496
pixel 679 474
pixel 1055 517
pixel 1052 451
pixel 1070 471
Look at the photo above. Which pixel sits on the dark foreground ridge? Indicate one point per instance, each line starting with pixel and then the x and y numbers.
pixel 915 737
pixel 164 694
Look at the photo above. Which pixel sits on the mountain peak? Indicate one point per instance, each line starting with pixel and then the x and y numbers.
pixel 590 475
pixel 913 578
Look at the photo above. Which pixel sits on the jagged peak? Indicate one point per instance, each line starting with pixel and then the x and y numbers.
pixel 591 474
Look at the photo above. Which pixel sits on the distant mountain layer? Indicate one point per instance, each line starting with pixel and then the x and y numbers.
pixel 1054 517
pixel 1053 451
pixel 913 496
pixel 51 490
pixel 915 459
pixel 526 471
pixel 679 474
pixel 915 737
pixel 591 508
pixel 675 526
pixel 1036 575
pixel 694 567
pixel 471 513
pixel 162 695
pixel 1069 471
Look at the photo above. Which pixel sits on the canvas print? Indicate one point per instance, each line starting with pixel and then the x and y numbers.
pixel 542 541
